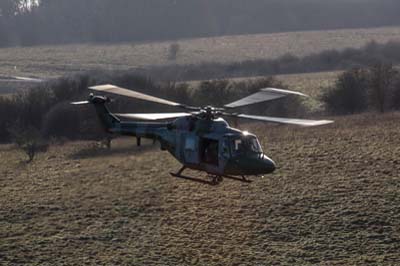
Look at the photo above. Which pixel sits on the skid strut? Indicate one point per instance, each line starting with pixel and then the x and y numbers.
pixel 214 179
pixel 242 179
pixel 179 175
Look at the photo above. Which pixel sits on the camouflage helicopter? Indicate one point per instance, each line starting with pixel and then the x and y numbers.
pixel 199 138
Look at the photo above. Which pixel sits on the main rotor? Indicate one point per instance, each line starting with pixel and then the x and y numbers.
pixel 206 112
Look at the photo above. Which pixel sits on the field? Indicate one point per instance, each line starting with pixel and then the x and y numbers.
pixel 53 61
pixel 334 200
pixel 309 83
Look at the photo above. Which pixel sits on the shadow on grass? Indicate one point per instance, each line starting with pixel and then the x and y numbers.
pixel 93 151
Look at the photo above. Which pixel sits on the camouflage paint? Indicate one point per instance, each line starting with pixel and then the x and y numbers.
pixel 173 135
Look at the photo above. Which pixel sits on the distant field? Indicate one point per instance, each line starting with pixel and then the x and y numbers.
pixel 51 61
pixel 312 84
pixel 308 83
pixel 334 200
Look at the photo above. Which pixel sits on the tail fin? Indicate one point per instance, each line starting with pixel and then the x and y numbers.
pixel 107 119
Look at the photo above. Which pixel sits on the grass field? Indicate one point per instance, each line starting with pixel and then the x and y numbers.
pixel 55 61
pixel 334 200
pixel 52 61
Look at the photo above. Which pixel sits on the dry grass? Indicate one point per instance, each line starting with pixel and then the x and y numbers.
pixel 334 200
pixel 310 83
pixel 50 61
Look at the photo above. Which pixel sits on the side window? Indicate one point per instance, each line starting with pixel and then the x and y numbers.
pixel 190 143
pixel 225 149
pixel 238 146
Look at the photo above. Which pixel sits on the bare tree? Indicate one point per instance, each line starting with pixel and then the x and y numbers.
pixel 381 80
pixel 29 140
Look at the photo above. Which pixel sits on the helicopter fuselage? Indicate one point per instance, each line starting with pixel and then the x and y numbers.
pixel 208 145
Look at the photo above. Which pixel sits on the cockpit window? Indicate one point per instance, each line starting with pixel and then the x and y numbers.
pixel 255 145
pixel 246 144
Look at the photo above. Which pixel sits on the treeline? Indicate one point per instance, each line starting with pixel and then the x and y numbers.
pixel 34 22
pixel 330 60
pixel 32 117
pixel 376 88
pixel 45 110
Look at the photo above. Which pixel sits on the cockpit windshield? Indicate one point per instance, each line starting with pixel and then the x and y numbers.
pixel 246 144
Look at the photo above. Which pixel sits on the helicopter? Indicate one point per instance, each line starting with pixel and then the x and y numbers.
pixel 199 138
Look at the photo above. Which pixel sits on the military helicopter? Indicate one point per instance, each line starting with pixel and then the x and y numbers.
pixel 199 138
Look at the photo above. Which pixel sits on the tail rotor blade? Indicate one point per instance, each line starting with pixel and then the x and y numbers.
pixel 80 103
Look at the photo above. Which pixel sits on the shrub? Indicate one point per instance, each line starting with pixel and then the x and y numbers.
pixel 380 86
pixel 29 140
pixel 220 92
pixel 62 121
pixel 349 94
pixel 357 90
pixel 8 111
pixel 395 95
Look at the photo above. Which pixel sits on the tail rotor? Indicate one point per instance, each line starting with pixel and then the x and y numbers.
pixel 94 99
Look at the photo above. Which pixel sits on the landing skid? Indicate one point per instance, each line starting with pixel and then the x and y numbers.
pixel 215 179
pixel 179 175
pixel 243 179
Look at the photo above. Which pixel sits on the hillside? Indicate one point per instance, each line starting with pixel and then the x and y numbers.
pixel 110 21
pixel 334 200
pixel 52 61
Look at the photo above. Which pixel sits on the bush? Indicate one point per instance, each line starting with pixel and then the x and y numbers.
pixel 215 93
pixel 358 90
pixel 8 111
pixel 380 86
pixel 395 96
pixel 29 140
pixel 62 121
pixel 220 92
pixel 349 94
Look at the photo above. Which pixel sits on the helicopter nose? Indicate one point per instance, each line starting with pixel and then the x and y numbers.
pixel 268 165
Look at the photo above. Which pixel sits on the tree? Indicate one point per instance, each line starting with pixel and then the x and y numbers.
pixel 349 94
pixel 8 8
pixel 380 86
pixel 29 140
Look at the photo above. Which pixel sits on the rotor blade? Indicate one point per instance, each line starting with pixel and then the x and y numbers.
pixel 282 120
pixel 80 103
pixel 133 94
pixel 154 116
pixel 27 79
pixel 21 79
pixel 267 94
